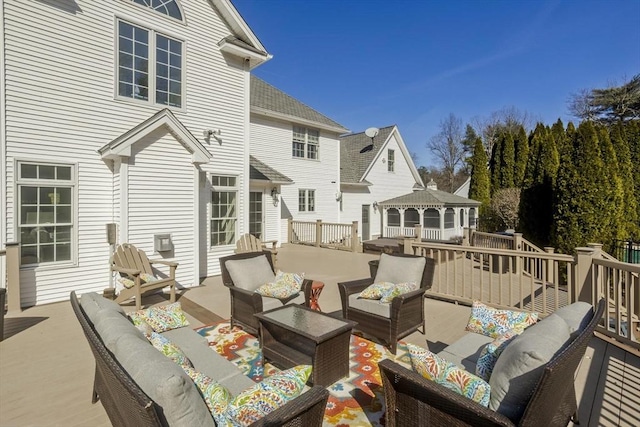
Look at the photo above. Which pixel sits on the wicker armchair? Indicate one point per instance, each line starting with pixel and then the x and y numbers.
pixel 406 312
pixel 413 400
pixel 246 303
pixel 127 405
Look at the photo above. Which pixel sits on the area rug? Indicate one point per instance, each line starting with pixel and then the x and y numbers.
pixel 356 400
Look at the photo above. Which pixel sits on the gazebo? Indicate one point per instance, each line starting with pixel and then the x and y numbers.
pixel 437 215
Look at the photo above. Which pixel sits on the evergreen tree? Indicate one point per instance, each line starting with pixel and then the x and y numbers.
pixel 632 131
pixel 507 161
pixel 613 193
pixel 536 199
pixel 495 165
pixel 479 185
pixel 521 156
pixel 579 198
pixel 628 180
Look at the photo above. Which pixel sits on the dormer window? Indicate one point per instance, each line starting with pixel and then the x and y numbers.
pixel 166 7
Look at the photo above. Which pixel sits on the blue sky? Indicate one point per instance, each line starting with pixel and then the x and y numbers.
pixel 375 63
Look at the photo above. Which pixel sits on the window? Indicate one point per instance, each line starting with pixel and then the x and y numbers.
pixel 306 200
pixel 45 201
pixel 431 218
pixel 461 217
pixel 255 213
pixel 393 217
pixel 305 142
pixel 472 217
pixel 411 218
pixel 224 210
pixel 391 160
pixel 138 50
pixel 449 218
pixel 166 7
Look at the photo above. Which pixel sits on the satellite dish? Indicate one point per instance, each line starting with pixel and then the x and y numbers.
pixel 372 132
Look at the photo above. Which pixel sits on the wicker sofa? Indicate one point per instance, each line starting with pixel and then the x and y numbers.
pixel 547 393
pixel 139 386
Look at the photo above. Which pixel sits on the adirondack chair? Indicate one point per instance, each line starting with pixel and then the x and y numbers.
pixel 131 263
pixel 250 243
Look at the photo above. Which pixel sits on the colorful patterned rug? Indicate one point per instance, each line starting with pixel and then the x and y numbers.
pixel 356 400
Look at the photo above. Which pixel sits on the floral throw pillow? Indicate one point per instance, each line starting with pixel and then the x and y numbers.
pixel 215 395
pixel 142 325
pixel 434 368
pixel 148 278
pixel 291 279
pixel 398 289
pixel 376 290
pixel 127 283
pixel 162 318
pixel 492 322
pixel 169 349
pixel 278 290
pixel 490 353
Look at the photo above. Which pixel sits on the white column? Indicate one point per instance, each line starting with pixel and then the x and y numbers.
pixel 385 222
pixel 441 212
pixel 401 221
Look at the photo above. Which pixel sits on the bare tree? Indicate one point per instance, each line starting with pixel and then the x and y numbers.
pixel 505 203
pixel 447 146
pixel 507 119
pixel 581 105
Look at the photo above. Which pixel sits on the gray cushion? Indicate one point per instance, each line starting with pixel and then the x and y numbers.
pixel 91 303
pixel 373 306
pixel 250 273
pixel 397 269
pixel 521 364
pixel 207 361
pixel 577 315
pixel 164 381
pixel 466 351
pixel 111 325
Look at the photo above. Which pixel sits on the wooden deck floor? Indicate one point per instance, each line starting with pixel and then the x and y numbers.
pixel 46 367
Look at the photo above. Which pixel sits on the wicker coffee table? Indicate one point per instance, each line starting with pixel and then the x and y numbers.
pixel 295 335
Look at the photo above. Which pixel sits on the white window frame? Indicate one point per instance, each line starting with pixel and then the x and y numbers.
pixel 305 141
pixel 152 65
pixel 306 200
pixel 262 213
pixel 391 160
pixel 156 11
pixel 219 186
pixel 72 184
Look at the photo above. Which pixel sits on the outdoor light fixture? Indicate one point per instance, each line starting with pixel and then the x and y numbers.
pixel 375 205
pixel 275 195
pixel 338 196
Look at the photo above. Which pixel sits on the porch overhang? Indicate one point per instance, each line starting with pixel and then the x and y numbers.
pixel 261 173
pixel 121 146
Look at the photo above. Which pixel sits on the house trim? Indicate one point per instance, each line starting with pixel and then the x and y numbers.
pixel 238 25
pixel 121 146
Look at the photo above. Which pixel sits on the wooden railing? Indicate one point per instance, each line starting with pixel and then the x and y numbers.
pixel 324 234
pixel 535 280
pixel 11 268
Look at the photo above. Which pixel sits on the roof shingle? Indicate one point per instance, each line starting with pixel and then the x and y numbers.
pixel 357 153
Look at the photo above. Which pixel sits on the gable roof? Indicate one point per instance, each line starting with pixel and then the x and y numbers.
pixel 244 43
pixel 268 100
pixel 121 146
pixel 429 198
pixel 357 154
pixel 261 172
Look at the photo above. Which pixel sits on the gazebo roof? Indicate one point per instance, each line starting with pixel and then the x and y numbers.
pixel 429 198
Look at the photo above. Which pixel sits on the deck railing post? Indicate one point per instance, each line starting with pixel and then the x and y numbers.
pixel 418 231
pixel 466 234
pixel 13 277
pixel 289 230
pixel 354 236
pixel 549 250
pixel 318 232
pixel 408 245
pixel 583 286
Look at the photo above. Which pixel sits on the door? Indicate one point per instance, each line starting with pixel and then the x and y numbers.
pixel 256 214
pixel 366 209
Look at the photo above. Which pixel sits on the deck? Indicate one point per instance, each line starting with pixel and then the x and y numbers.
pixel 46 366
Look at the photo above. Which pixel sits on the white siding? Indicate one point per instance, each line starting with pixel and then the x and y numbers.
pixel 60 105
pixel 271 142
pixel 385 185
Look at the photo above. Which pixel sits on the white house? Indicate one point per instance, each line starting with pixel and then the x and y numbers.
pixel 373 170
pixel 115 112
pixel 298 149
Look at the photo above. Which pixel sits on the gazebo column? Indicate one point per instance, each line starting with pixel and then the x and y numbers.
pixel 385 221
pixel 441 211
pixel 421 214
pixel 401 221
